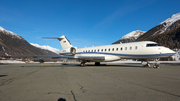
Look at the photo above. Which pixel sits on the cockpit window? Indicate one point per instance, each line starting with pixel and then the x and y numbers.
pixel 152 45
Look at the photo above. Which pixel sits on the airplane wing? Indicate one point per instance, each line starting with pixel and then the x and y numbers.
pixel 59 56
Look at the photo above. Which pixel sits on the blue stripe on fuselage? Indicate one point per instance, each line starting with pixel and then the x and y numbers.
pixel 126 55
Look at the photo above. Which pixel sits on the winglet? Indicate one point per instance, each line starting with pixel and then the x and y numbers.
pixel 5 52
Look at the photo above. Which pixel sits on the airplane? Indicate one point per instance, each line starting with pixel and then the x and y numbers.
pixel 107 53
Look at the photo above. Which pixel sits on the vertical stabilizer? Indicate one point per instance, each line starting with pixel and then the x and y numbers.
pixel 64 42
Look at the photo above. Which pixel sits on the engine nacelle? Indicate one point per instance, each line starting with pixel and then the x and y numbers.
pixel 69 51
pixel 73 50
pixel 145 63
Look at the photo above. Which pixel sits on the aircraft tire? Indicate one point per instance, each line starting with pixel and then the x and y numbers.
pixel 41 61
pixel 97 63
pixel 83 64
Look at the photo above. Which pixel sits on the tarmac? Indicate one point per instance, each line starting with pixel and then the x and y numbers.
pixel 108 82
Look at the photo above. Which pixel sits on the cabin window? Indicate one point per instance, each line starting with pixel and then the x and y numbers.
pixel 136 47
pixel 116 49
pixel 113 49
pixel 109 49
pixel 105 50
pixel 88 50
pixel 98 50
pixel 152 45
pixel 130 48
pixel 91 50
pixel 125 48
pixel 94 50
pixel 101 50
pixel 121 48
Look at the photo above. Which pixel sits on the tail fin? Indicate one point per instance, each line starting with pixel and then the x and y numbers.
pixel 63 41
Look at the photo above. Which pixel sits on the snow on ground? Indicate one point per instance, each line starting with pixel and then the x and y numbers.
pixel 130 61
pixel 17 61
pixel 11 61
pixel 127 61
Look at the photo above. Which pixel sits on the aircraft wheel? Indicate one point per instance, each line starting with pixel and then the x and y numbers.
pixel 41 61
pixel 156 66
pixel 83 64
pixel 97 63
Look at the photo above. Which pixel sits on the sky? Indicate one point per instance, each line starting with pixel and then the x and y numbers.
pixel 85 23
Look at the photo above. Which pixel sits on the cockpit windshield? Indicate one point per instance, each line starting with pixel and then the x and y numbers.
pixel 152 45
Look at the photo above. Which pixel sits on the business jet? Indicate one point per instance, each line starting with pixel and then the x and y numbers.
pixel 107 53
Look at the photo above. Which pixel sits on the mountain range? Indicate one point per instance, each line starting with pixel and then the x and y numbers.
pixel 16 45
pixel 167 33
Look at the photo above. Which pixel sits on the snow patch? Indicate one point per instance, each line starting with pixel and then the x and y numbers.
pixel 172 19
pixel 11 61
pixel 10 33
pixel 46 47
pixel 168 22
pixel 139 62
pixel 133 34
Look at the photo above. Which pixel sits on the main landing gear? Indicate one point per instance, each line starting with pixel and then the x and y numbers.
pixel 83 64
pixel 97 63
pixel 147 64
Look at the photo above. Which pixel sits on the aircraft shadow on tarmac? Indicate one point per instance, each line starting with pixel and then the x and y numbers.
pixel 78 65
pixel 61 99
pixel 115 65
pixel 3 75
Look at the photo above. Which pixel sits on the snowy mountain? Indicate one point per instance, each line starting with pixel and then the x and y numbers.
pixel 132 36
pixel 46 47
pixel 167 33
pixel 166 26
pixel 168 22
pixel 16 45
pixel 10 33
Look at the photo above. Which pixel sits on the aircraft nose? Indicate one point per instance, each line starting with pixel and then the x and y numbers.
pixel 167 51
pixel 171 52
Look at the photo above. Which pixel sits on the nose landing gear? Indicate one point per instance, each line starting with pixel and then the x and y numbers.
pixel 145 63
pixel 155 64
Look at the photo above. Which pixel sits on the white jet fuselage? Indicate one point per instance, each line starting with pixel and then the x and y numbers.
pixel 134 50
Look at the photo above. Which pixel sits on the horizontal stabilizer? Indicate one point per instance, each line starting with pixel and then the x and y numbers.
pixel 51 38
pixel 65 43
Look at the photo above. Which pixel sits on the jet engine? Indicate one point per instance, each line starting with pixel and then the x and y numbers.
pixel 73 50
